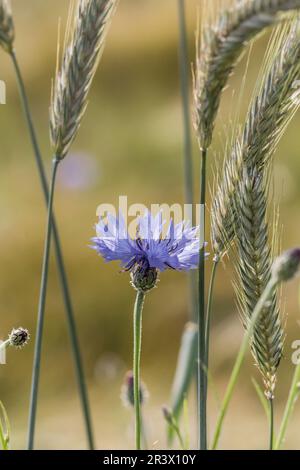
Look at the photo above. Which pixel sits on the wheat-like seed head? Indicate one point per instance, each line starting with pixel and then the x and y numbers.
pixel 268 117
pixel 254 261
pixel 7 30
pixel 221 45
pixel 74 78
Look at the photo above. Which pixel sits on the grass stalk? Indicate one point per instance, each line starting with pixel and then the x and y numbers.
pixel 209 307
pixel 144 436
pixel 4 428
pixel 41 314
pixel 187 146
pixel 173 425
pixel 176 430
pixel 184 373
pixel 201 359
pixel 72 329
pixel 293 395
pixel 271 422
pixel 262 397
pixel 137 342
pixel 265 298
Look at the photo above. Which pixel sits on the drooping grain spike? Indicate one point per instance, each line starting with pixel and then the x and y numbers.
pixel 268 116
pixel 74 78
pixel 222 44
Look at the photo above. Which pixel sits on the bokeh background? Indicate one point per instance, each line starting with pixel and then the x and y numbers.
pixel 130 143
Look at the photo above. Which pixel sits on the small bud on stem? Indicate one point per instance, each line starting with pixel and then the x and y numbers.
pixel 18 337
pixel 127 391
pixel 287 265
pixel 144 279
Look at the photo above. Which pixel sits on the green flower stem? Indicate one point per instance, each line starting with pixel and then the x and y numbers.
pixel 209 306
pixel 293 395
pixel 41 314
pixel 271 420
pixel 59 260
pixel 137 342
pixel 266 296
pixel 184 70
pixel 201 359
pixel 4 344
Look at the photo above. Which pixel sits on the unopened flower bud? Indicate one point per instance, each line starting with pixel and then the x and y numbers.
pixel 287 265
pixel 127 391
pixel 168 415
pixel 18 337
pixel 144 279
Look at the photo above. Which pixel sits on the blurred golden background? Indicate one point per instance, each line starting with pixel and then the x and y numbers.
pixel 130 143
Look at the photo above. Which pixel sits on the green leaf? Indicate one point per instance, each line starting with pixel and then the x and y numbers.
pixel 261 396
pixel 4 428
pixel 185 370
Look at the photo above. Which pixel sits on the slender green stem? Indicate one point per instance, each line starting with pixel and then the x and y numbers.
pixel 266 296
pixel 137 342
pixel 271 403
pixel 201 360
pixel 4 345
pixel 144 432
pixel 293 395
pixel 173 425
pixel 262 398
pixel 209 306
pixel 186 425
pixel 41 314
pixel 4 428
pixel 2 439
pixel 29 122
pixel 177 431
pixel 59 260
pixel 184 86
pixel 187 145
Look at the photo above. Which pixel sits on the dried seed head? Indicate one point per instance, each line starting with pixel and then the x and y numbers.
pixel 7 30
pixel 287 265
pixel 18 337
pixel 127 391
pixel 75 76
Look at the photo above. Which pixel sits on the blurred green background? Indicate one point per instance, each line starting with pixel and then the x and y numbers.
pixel 130 143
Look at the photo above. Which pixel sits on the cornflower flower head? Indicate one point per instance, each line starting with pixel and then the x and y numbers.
pixel 149 252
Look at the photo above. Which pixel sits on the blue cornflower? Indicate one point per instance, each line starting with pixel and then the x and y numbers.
pixel 149 252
